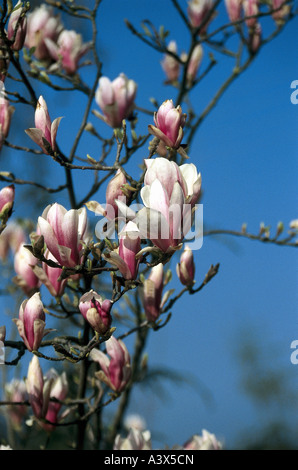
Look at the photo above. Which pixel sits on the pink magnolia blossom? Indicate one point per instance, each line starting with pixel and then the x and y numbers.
pixel 7 195
pixel 116 370
pixel 135 440
pixel 24 263
pixel 197 12
pixel 6 112
pixel 194 63
pixel 49 276
pixel 96 311
pixel 41 389
pixel 186 268
pixel 169 122
pixel 15 391
pixel 169 196
pixel 11 238
pixel 31 322
pixel 116 99
pixel 55 386
pixel 255 37
pixel 282 10
pixel 18 34
pixel 152 293
pixel 251 8
pixel 64 232
pixel 42 24
pixel 170 65
pixel 234 9
pixel 2 333
pixel 45 128
pixel 206 441
pixel 115 191
pixel 68 50
pixel 125 257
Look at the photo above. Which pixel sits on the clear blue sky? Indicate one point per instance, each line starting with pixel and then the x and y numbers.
pixel 246 151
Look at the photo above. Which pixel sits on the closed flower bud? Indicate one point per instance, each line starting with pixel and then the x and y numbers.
pixel 2 333
pixel 116 370
pixel 251 9
pixel 49 276
pixel 113 193
pixel 96 311
pixel 152 294
pixel 125 257
pixel 34 386
pixel 194 63
pixel 197 12
pixel 116 99
pixel 6 112
pixel 45 128
pixel 16 29
pixel 234 9
pixel 7 195
pixel 186 268
pixel 31 322
pixel 169 122
pixel 282 11
pixel 170 65
pixel 24 263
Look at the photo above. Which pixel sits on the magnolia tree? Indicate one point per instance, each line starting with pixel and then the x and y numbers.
pixel 72 265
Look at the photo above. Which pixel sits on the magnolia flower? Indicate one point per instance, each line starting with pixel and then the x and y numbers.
pixel 115 372
pixel 152 293
pixel 115 190
pixel 194 63
pixel 251 8
pixel 7 195
pixel 136 440
pixel 197 12
pixel 42 24
pixel 41 389
pixel 68 50
pixel 31 322
pixel 64 232
pixel 24 263
pixel 45 129
pixel 186 268
pixel 6 112
pixel 170 65
pixel 96 311
pixel 19 34
pixel 282 10
pixel 169 196
pixel 2 333
pixel 205 442
pixel 169 122
pixel 15 391
pixel 255 34
pixel 234 9
pixel 116 99
pixel 11 238
pixel 125 257
pixel 49 276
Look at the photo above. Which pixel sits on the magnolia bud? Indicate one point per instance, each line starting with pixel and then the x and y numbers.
pixel 186 268
pixel 96 311
pixel 18 34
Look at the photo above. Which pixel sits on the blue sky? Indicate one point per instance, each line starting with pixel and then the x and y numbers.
pixel 246 150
